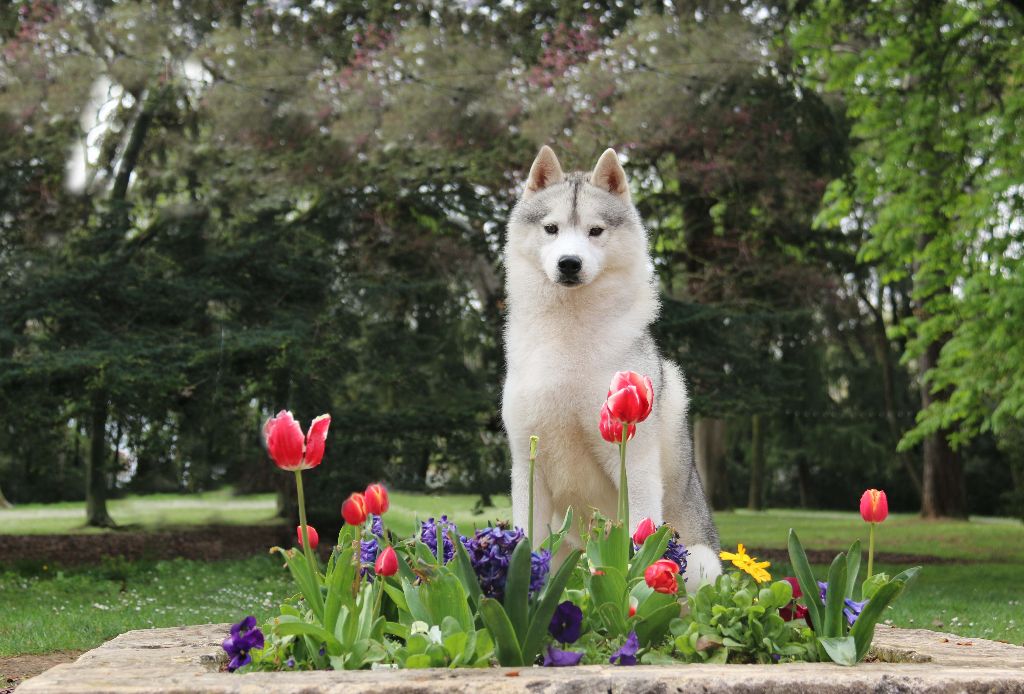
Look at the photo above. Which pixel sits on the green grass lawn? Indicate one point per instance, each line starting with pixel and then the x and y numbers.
pixel 149 512
pixel 48 610
pixel 45 610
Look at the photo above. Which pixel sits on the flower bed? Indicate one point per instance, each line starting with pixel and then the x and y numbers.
pixel 497 596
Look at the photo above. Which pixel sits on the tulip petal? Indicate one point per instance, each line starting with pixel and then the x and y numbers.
pixel 377 501
pixel 625 405
pixel 611 428
pixel 285 442
pixel 315 441
pixel 874 507
pixel 644 387
pixel 387 563
pixel 353 509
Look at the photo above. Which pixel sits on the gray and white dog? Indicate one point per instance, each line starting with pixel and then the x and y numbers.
pixel 581 299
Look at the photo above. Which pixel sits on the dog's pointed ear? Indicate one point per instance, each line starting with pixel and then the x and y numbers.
pixel 609 175
pixel 546 171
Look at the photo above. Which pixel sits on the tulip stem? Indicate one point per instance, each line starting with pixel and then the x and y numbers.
pixel 623 484
pixel 302 522
pixel 871 549
pixel 533 461
pixel 379 597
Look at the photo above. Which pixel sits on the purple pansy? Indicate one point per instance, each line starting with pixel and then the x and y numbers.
pixel 245 636
pixel 851 608
pixel 556 658
pixel 566 623
pixel 627 654
pixel 490 550
pixel 428 536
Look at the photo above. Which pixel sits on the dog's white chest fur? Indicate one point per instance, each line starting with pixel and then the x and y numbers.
pixel 555 391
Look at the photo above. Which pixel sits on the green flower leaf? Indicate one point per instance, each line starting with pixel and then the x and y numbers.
pixel 842 650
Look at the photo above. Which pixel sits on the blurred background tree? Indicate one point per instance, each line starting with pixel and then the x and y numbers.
pixel 212 211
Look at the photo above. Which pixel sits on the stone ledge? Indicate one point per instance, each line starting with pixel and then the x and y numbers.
pixel 187 659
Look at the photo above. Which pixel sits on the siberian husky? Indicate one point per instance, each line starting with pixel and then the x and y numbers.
pixel 581 299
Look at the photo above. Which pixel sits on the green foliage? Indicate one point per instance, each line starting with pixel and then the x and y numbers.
pixel 933 95
pixel 734 621
pixel 614 580
pixel 519 642
pixel 837 639
pixel 449 645
pixel 283 209
pixel 335 618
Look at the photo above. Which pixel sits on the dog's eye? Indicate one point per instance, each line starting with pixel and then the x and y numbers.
pixel 596 231
pixel 551 228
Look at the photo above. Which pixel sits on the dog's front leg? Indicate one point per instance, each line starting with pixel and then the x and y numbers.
pixel 644 482
pixel 543 513
pixel 520 487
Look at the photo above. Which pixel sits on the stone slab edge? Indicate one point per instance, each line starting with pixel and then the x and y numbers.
pixel 188 659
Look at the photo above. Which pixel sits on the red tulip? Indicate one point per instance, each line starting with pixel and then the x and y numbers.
pixel 630 397
pixel 874 508
pixel 377 501
pixel 644 531
pixel 289 449
pixel 353 510
pixel 611 428
pixel 314 539
pixel 387 563
pixel 661 576
pixel 633 602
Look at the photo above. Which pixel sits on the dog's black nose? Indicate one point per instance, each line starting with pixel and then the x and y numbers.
pixel 569 264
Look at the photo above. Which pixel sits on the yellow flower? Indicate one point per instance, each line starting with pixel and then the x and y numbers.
pixel 743 561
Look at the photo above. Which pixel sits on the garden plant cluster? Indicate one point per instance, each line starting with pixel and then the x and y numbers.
pixel 496 596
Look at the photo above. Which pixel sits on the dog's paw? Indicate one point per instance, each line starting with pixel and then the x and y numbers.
pixel 702 566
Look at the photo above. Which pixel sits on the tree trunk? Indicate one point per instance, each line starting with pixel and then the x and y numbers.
pixel 4 503
pixel 709 454
pixel 803 472
pixel 755 502
pixel 95 470
pixel 883 354
pixel 943 485
pixel 943 488
pixel 115 459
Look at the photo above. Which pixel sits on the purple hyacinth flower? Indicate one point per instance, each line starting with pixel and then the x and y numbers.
pixel 244 637
pixel 851 609
pixel 540 565
pixel 677 552
pixel 490 550
pixel 556 658
pixel 367 556
pixel 627 654
pixel 428 536
pixel 567 622
pixel 368 549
